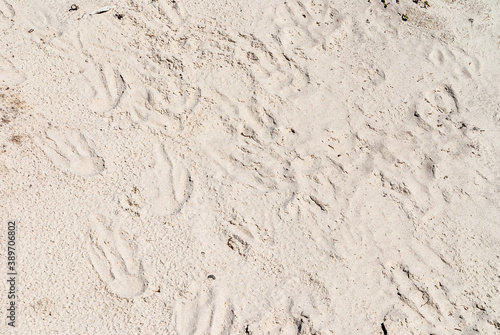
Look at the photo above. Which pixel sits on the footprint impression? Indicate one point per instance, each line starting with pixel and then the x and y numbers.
pixel 70 151
pixel 115 260
pixel 6 15
pixel 150 109
pixel 108 85
pixel 208 313
pixel 167 185
pixel 9 74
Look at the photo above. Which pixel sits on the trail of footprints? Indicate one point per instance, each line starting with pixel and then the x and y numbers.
pixel 210 312
pixel 115 259
pixel 167 185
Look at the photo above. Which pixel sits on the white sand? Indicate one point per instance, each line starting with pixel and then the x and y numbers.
pixel 252 167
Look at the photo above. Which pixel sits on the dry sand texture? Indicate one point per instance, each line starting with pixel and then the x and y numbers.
pixel 252 167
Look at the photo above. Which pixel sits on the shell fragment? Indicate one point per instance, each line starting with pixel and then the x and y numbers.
pixel 101 10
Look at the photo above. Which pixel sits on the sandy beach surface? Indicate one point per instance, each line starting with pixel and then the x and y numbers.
pixel 250 167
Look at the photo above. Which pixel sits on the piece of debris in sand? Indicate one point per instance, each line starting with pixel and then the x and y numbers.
pixel 101 10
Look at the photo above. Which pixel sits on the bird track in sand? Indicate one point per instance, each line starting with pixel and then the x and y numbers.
pixel 115 259
pixel 70 151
